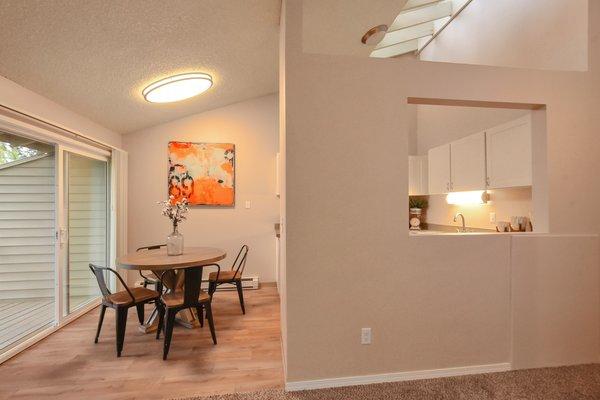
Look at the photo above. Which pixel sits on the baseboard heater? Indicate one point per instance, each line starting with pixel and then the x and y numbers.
pixel 248 282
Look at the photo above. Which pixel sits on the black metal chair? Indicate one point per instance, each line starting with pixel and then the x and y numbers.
pixel 121 302
pixel 151 281
pixel 148 280
pixel 233 276
pixel 192 296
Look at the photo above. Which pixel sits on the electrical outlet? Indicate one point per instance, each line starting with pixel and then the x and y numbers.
pixel 493 217
pixel 365 336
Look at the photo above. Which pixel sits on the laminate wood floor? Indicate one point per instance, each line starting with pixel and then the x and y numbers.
pixel 68 365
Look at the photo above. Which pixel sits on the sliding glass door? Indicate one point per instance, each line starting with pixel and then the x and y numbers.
pixel 86 211
pixel 54 222
pixel 27 238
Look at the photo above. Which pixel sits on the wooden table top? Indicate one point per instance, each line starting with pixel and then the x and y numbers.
pixel 159 260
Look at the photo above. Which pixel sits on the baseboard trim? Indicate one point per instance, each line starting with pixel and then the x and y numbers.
pixel 396 377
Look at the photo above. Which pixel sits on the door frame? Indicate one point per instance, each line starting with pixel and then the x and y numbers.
pixel 62 313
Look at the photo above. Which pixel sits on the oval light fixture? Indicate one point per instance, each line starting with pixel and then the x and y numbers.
pixel 177 87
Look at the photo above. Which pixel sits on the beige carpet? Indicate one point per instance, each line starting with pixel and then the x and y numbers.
pixel 563 383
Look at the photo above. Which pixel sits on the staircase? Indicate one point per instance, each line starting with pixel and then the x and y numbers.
pixel 417 25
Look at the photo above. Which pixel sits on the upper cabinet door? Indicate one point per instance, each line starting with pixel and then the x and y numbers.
pixel 468 163
pixel 509 154
pixel 439 169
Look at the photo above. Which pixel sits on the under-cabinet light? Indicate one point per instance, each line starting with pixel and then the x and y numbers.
pixel 461 198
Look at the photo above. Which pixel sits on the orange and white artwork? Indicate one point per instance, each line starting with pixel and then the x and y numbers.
pixel 203 173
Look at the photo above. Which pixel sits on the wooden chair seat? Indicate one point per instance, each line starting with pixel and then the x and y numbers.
pixel 176 299
pixel 139 293
pixel 224 276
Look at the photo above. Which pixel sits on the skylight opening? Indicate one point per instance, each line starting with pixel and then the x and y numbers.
pixel 417 25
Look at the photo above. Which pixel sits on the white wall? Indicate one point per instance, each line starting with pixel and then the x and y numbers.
pixel 252 126
pixel 539 34
pixel 24 100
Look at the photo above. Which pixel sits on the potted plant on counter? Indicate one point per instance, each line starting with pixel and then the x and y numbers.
pixel 416 213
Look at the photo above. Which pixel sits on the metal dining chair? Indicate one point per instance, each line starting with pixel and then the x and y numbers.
pixel 121 302
pixel 171 303
pixel 148 280
pixel 233 276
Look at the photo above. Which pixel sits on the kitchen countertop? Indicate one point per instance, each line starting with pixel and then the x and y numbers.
pixel 443 233
pixel 436 229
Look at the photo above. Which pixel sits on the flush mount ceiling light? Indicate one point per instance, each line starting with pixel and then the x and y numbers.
pixel 374 35
pixel 177 87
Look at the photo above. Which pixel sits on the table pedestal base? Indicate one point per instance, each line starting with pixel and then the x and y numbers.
pixel 186 318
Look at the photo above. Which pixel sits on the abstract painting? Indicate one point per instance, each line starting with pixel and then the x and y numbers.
pixel 203 173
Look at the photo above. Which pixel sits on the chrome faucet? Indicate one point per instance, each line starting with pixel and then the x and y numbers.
pixel 463 228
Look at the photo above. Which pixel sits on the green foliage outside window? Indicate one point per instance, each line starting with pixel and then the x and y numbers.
pixel 10 153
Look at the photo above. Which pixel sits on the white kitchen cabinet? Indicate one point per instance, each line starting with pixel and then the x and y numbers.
pixel 417 175
pixel 467 166
pixel 439 169
pixel 509 162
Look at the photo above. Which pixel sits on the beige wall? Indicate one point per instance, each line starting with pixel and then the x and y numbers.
pixel 24 100
pixel 554 293
pixel 433 302
pixel 504 202
pixel 252 126
pixel 545 34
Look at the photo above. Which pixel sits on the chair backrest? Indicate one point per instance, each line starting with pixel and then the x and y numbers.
pixel 240 261
pixel 153 247
pixel 100 274
pixel 146 248
pixel 191 285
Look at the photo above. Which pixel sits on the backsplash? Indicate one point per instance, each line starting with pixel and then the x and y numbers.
pixel 504 202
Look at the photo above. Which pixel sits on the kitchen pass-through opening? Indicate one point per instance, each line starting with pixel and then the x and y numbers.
pixel 476 167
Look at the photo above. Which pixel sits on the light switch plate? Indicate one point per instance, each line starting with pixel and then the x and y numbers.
pixel 248 204
pixel 365 336
pixel 493 217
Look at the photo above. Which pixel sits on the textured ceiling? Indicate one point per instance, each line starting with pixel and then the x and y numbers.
pixel 95 56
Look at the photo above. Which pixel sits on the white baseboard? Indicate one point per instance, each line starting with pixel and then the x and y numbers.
pixel 396 377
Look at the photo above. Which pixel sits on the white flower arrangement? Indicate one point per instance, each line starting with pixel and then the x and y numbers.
pixel 175 211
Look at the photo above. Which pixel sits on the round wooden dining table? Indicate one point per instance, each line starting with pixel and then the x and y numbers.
pixel 186 271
